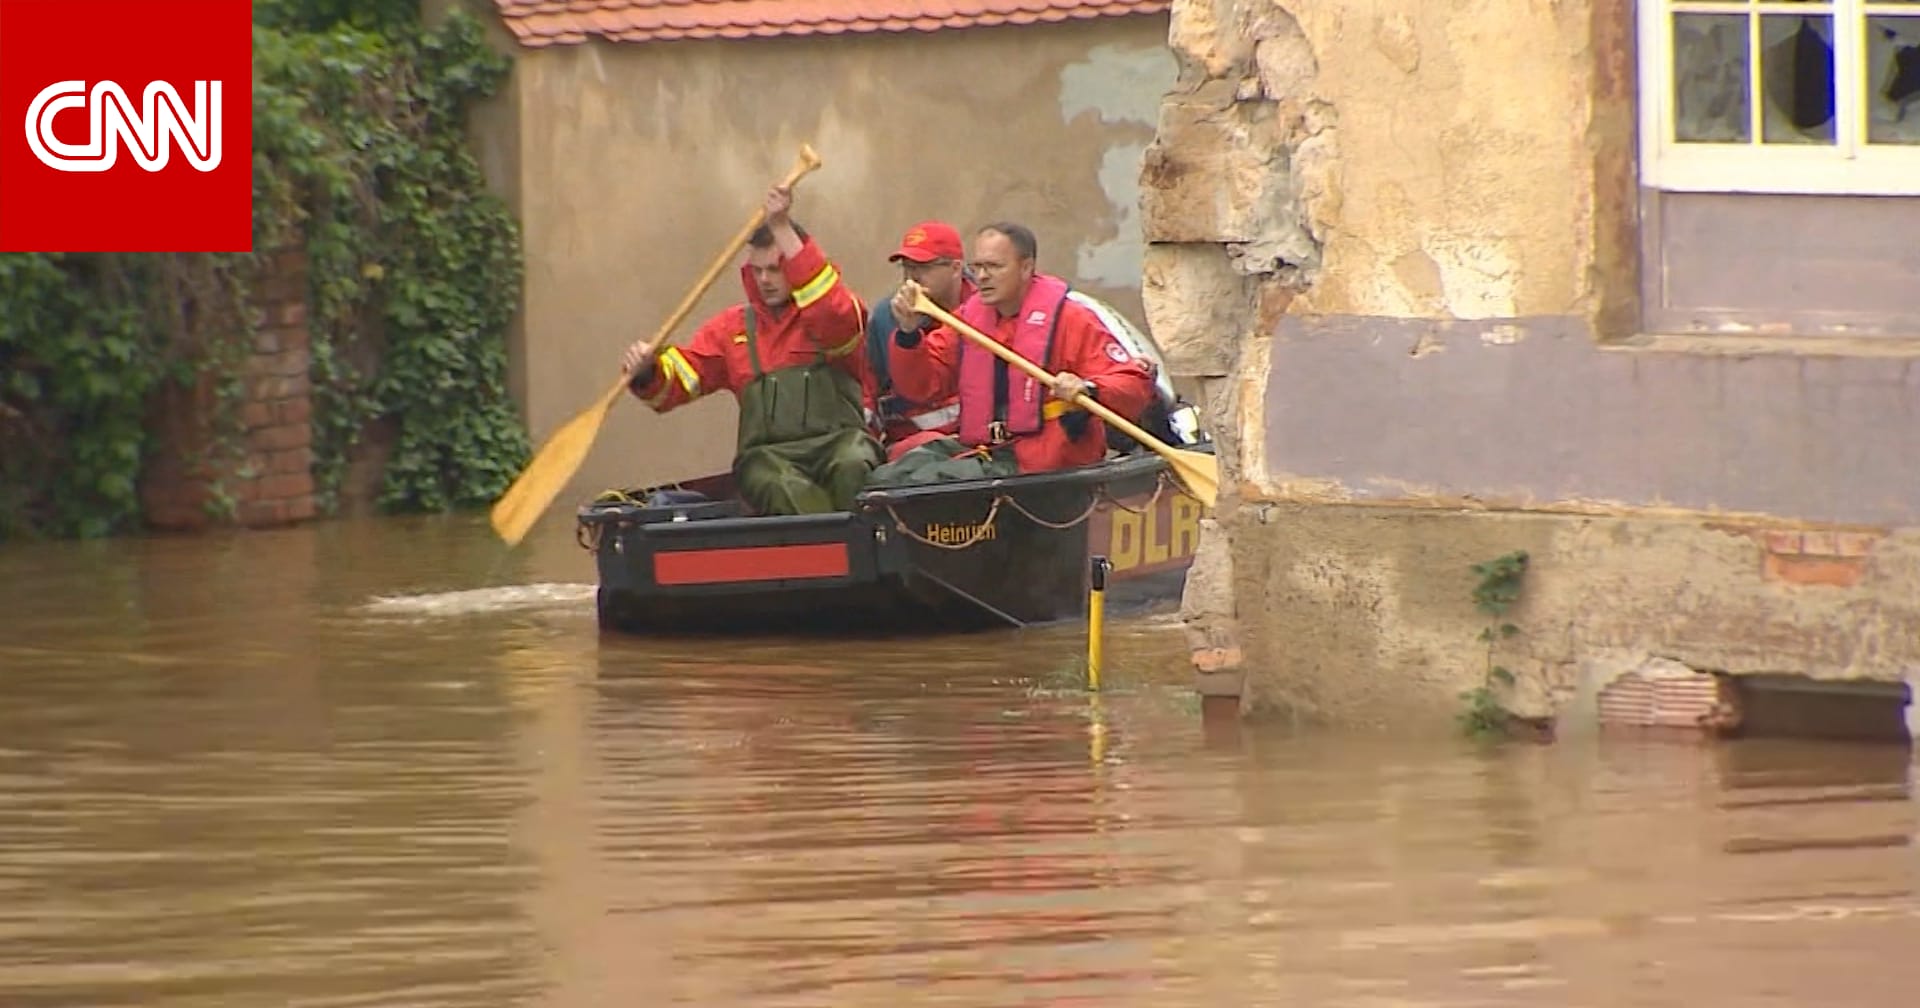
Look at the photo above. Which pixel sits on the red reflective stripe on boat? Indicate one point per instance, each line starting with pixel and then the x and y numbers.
pixel 750 563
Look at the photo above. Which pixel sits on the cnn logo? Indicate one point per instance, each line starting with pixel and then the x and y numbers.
pixel 126 126
pixel 150 131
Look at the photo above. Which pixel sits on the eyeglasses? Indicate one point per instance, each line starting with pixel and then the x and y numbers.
pixel 979 266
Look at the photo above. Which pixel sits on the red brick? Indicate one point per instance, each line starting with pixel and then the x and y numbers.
pixel 291 460
pixel 262 512
pixel 256 414
pixel 1854 544
pixel 297 410
pixel 243 490
pixel 1784 542
pixel 270 387
pixel 1216 659
pixel 301 508
pixel 293 314
pixel 294 363
pixel 267 341
pixel 296 338
pixel 280 436
pixel 1833 572
pixel 285 486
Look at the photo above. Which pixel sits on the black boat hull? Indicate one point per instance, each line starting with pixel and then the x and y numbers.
pixel 918 560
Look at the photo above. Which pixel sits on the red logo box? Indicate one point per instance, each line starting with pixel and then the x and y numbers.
pixel 112 138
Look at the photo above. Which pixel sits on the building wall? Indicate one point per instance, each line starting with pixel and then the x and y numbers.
pixel 636 163
pixel 1400 246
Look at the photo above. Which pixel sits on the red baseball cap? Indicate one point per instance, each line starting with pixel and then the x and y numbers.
pixel 927 241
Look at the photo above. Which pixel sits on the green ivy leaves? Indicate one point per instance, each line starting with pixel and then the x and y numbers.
pixel 360 157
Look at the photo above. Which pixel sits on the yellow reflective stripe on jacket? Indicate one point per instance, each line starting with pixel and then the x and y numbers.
pixel 816 288
pixel 1057 408
pixel 849 346
pixel 674 363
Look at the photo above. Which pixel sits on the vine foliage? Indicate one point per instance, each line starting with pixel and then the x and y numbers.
pixel 1496 591
pixel 361 161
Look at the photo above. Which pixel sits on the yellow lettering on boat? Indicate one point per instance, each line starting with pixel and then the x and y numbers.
pixel 1166 532
pixel 955 533
pixel 1123 548
pixel 1151 545
pixel 1186 525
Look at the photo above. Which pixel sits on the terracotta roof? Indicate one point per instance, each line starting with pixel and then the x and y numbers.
pixel 552 22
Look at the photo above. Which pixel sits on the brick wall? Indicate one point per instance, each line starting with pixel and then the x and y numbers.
pixel 267 472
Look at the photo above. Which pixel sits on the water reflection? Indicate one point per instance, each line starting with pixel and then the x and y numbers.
pixel 384 763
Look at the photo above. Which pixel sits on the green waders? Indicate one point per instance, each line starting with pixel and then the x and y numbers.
pixel 944 460
pixel 804 447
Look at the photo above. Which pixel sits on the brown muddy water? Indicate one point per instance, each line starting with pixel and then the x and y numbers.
pixel 387 764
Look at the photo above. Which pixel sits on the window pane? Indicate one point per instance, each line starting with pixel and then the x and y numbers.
pixel 1710 67
pixel 1893 80
pixel 1796 78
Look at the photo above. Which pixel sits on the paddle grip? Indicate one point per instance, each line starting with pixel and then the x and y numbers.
pixel 806 163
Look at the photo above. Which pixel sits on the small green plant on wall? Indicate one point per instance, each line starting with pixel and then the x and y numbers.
pixel 1495 593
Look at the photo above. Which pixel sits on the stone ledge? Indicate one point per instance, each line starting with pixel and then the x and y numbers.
pixel 1219 684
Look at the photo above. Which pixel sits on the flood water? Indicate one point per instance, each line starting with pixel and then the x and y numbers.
pixel 388 763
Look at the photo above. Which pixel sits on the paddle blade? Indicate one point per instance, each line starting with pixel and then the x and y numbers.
pixel 552 466
pixel 1197 473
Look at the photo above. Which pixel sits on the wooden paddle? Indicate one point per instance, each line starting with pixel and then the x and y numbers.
pixel 560 457
pixel 1197 472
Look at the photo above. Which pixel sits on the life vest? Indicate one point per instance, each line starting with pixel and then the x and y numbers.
pixel 990 392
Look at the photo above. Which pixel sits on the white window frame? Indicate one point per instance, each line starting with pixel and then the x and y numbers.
pixel 1850 166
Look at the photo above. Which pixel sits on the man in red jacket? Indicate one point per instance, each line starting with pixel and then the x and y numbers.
pixel 792 356
pixel 1008 422
pixel 931 255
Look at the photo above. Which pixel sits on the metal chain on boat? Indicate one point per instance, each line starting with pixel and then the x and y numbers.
pixel 1159 486
pixel 1037 520
pixel 588 535
pixel 984 529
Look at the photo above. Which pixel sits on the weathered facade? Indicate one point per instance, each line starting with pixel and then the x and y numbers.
pixel 635 139
pixel 1462 279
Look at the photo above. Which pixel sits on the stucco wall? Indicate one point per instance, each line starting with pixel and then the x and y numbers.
pixel 1398 245
pixel 1366 618
pixel 637 163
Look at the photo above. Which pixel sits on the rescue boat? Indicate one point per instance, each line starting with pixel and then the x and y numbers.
pixel 1007 551
pixel 1010 551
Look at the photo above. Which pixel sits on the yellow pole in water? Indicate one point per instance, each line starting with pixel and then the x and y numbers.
pixel 1096 619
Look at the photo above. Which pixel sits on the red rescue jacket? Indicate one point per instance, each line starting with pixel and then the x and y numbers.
pixel 824 318
pixel 1067 334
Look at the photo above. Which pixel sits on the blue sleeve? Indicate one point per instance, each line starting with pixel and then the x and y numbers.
pixel 879 334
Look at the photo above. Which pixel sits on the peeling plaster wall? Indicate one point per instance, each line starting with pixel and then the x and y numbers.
pixel 637 162
pixel 1367 617
pixel 1396 245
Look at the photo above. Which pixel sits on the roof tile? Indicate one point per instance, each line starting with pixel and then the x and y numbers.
pixel 548 22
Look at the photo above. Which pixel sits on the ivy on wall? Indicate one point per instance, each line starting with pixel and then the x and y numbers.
pixel 360 159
